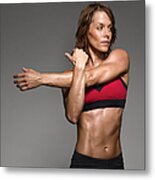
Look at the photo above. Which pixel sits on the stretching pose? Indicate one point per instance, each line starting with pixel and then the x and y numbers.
pixel 94 90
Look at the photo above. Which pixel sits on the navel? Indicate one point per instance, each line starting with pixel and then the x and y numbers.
pixel 106 149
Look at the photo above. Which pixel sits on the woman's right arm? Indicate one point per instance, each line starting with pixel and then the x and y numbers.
pixel 116 64
pixel 30 79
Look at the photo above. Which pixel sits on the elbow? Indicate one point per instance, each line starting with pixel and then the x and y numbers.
pixel 72 118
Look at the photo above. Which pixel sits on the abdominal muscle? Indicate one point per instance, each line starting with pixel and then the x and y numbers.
pixel 99 133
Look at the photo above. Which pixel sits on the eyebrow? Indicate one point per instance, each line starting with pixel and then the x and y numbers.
pixel 104 24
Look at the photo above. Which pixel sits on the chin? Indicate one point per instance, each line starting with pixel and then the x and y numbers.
pixel 101 49
pixel 104 50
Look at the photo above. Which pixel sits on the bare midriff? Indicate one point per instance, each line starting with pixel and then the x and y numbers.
pixel 99 133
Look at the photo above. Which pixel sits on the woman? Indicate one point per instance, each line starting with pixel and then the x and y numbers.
pixel 94 90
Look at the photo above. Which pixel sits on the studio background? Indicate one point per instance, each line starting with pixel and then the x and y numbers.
pixel 34 131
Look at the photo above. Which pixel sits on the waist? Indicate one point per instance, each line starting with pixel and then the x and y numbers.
pixel 83 161
pixel 98 159
pixel 101 151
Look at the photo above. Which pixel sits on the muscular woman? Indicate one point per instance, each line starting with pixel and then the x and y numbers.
pixel 94 90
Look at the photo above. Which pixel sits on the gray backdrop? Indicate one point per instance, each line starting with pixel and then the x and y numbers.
pixel 34 131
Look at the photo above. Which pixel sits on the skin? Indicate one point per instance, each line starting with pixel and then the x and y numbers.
pixel 98 129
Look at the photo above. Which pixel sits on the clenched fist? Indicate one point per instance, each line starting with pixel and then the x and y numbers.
pixel 78 58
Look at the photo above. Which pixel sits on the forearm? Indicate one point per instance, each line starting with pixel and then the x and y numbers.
pixel 63 79
pixel 75 99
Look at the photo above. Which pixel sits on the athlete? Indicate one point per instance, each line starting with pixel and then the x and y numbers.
pixel 94 90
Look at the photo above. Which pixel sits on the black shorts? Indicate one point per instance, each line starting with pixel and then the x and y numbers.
pixel 82 161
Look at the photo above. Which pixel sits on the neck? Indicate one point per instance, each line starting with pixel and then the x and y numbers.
pixel 96 56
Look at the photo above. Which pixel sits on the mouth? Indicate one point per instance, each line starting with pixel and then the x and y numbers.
pixel 105 43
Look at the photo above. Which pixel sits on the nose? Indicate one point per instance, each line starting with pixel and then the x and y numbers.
pixel 106 33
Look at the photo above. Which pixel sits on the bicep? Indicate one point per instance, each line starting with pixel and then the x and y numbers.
pixel 113 69
pixel 115 65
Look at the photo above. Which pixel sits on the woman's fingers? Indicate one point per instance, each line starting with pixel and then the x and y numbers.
pixel 25 69
pixel 19 80
pixel 23 88
pixel 78 57
pixel 68 56
pixel 23 84
pixel 28 79
pixel 20 75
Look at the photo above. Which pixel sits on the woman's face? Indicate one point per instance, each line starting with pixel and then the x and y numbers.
pixel 99 33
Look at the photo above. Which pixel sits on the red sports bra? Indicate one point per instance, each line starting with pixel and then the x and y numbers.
pixel 112 94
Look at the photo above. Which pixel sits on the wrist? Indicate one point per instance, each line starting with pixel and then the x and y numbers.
pixel 79 72
pixel 42 79
pixel 80 66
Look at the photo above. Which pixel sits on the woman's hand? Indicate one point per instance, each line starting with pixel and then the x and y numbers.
pixel 78 58
pixel 28 79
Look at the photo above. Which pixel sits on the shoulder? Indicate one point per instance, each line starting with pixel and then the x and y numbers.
pixel 119 58
pixel 119 54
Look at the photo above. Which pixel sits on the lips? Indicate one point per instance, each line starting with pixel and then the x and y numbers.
pixel 105 42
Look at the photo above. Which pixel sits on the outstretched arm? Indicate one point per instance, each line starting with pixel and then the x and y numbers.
pixel 116 64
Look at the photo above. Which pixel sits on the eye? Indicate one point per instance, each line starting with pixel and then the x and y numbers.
pixel 99 28
pixel 110 28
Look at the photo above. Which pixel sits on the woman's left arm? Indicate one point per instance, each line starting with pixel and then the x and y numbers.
pixel 75 98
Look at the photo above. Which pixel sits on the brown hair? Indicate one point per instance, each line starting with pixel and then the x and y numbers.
pixel 84 22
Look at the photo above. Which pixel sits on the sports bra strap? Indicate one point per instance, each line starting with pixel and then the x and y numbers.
pixel 124 83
